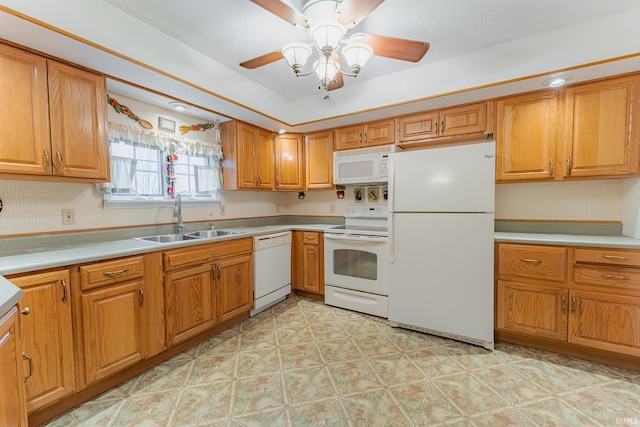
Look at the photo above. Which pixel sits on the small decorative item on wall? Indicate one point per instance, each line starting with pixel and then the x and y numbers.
pixel 122 109
pixel 166 125
pixel 340 194
pixel 358 194
pixel 198 127
pixel 385 194
pixel 373 194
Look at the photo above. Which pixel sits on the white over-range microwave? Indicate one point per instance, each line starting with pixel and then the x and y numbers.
pixel 362 165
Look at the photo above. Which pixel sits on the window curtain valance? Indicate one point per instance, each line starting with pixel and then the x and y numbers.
pixel 172 144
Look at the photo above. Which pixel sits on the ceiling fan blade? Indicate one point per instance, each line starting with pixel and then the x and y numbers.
pixel 354 11
pixel 336 83
pixel 283 11
pixel 262 60
pixel 390 47
pixel 338 80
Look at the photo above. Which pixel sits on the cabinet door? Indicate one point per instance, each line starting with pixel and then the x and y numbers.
pixel 313 262
pixel 24 118
pixel 532 309
pixel 319 160
pixel 526 137
pixel 246 162
pixel 348 138
pixel 289 162
pixel 12 404
pixel 601 136
pixel 607 322
pixel 418 126
pixel 264 159
pixel 78 111
pixel 46 337
pixel 382 132
pixel 463 120
pixel 112 329
pixel 297 260
pixel 234 286
pixel 189 303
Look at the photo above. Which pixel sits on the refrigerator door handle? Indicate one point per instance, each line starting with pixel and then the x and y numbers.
pixel 392 248
pixel 392 191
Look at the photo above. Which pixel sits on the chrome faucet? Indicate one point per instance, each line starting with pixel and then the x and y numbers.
pixel 177 212
pixel 212 226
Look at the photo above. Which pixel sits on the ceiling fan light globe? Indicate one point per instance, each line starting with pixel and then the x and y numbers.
pixel 326 70
pixel 327 34
pixel 357 54
pixel 296 55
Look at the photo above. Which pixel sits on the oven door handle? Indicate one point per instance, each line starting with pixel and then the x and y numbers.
pixel 355 238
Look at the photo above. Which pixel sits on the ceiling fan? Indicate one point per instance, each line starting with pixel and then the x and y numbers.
pixel 328 22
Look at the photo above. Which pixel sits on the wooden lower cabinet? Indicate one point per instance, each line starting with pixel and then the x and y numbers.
pixel 233 284
pixel 46 335
pixel 190 302
pixel 308 262
pixel 13 411
pixel 205 286
pixel 532 309
pixel 591 311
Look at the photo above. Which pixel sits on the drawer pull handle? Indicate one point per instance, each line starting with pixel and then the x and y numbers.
pixel 621 258
pixel 563 308
pixel 64 290
pixel 30 360
pixel 309 237
pixel 615 276
pixel 531 260
pixel 141 292
pixel 113 273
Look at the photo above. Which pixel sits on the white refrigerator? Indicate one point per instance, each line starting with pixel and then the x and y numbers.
pixel 441 205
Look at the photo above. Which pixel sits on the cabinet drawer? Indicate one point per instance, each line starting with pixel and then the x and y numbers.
pixel 106 273
pixel 194 255
pixel 311 238
pixel 608 256
pixel 233 247
pixel 538 262
pixel 623 278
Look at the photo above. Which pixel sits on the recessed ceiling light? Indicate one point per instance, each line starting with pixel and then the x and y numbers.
pixel 179 106
pixel 556 81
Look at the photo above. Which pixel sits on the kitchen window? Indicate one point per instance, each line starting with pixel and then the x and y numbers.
pixel 148 168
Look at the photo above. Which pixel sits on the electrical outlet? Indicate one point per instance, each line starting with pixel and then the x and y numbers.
pixel 68 216
pixel 223 211
pixel 332 208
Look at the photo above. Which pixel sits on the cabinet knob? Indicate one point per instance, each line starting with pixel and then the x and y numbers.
pixel 25 311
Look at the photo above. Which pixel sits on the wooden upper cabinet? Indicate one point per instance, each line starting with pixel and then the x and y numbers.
pixel 455 121
pixel 601 128
pixel 289 162
pixel 24 117
pixel 526 134
pixel 57 123
pixel 381 132
pixel 319 160
pixel 78 110
pixel 248 157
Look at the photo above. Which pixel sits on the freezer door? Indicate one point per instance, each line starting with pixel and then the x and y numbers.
pixel 444 179
pixel 442 276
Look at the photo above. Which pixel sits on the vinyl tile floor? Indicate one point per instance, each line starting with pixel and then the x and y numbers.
pixel 302 363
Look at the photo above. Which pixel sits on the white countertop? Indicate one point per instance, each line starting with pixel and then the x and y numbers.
pixel 569 239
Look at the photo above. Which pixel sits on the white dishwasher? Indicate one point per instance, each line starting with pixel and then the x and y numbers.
pixel 271 270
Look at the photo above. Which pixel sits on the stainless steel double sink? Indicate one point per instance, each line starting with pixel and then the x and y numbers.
pixel 195 235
